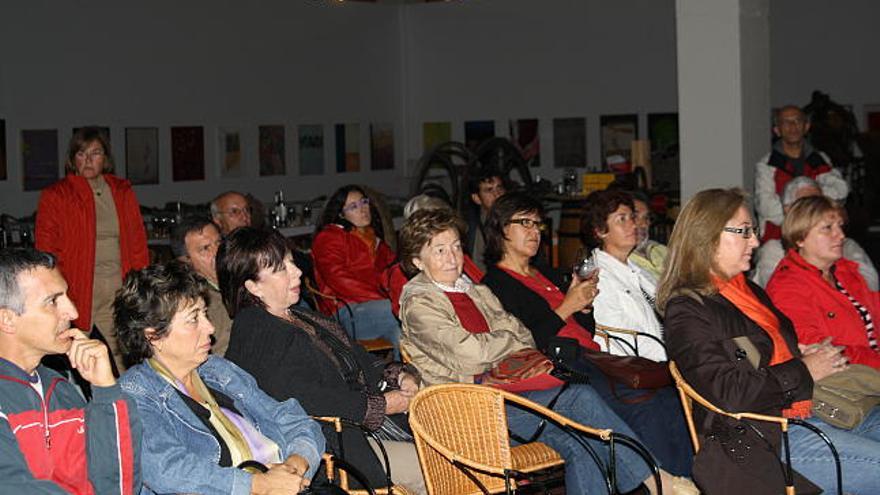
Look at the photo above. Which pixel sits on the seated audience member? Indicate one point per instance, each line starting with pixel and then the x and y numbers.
pixel 649 255
pixel 534 293
pixel 203 415
pixel 456 331
pixel 295 352
pixel 351 258
pixel 626 293
pixel 230 211
pixel 708 303
pixel 195 242
pixel 396 278
pixel 51 441
pixel 485 185
pixel 771 252
pixel 820 290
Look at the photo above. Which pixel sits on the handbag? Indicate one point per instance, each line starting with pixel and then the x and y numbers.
pixel 522 364
pixel 845 398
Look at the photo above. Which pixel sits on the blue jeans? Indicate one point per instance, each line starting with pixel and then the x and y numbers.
pixel 582 404
pixel 371 320
pixel 859 451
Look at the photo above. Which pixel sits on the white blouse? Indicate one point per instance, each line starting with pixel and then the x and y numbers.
pixel 621 303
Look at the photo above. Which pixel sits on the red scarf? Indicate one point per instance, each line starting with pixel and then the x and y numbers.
pixel 737 291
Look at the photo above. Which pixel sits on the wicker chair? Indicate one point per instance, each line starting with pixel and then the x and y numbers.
pixel 688 396
pixel 608 333
pixel 337 468
pixel 464 446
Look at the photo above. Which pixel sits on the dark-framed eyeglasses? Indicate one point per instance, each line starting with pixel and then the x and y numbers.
pixel 529 223
pixel 745 232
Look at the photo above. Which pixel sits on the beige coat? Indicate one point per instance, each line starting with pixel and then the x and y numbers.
pixel 441 348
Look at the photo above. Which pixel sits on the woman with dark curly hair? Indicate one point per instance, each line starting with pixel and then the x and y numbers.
pixel 626 292
pixel 351 258
pixel 203 414
pixel 294 352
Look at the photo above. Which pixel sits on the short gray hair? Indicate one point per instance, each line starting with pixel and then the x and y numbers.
pixel 789 192
pixel 423 202
pixel 12 263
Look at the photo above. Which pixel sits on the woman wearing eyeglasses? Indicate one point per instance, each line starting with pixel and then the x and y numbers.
pixel 351 257
pixel 841 307
pixel 91 221
pixel 626 292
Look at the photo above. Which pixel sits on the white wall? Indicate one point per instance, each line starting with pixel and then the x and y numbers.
pixel 211 63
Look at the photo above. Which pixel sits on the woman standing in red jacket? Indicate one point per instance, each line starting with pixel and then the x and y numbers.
pixel 821 291
pixel 351 260
pixel 91 221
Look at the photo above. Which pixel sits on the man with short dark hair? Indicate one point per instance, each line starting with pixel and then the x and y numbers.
pixel 50 440
pixel 230 211
pixel 485 186
pixel 195 242
pixel 792 156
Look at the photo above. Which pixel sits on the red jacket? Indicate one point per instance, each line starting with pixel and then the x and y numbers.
pixel 66 228
pixel 345 268
pixel 818 310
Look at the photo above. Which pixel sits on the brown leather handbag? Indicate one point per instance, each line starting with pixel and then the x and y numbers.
pixel 632 371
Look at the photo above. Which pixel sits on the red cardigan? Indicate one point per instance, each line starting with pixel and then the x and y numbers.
pixel 66 228
pixel 345 268
pixel 819 310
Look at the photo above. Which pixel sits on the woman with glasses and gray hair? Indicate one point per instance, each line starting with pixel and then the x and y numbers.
pixel 91 221
pixel 351 259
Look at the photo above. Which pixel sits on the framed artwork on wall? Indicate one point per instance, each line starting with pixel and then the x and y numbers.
pixel 477 132
pixel 570 142
pixel 617 133
pixel 434 133
pixel 2 149
pixel 39 158
pixel 524 135
pixel 229 151
pixel 187 153
pixel 311 149
pixel 663 135
pixel 272 150
pixel 348 147
pixel 381 146
pixel 142 155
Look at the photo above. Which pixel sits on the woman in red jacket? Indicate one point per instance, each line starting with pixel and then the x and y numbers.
pixel 91 221
pixel 351 260
pixel 823 293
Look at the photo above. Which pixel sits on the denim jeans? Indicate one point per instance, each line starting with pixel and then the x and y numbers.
pixel 659 421
pixel 371 320
pixel 582 404
pixel 859 451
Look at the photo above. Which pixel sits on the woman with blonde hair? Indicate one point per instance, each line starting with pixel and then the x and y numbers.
pixel 741 353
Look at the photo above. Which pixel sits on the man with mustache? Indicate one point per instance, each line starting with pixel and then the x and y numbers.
pixel 51 441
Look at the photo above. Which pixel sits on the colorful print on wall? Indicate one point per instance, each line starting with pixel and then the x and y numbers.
pixel 311 149
pixel 381 146
pixel 187 153
pixel 142 155
pixel 570 142
pixel 477 132
pixel 435 133
pixel 663 134
pixel 348 147
pixel 617 134
pixel 39 157
pixel 229 146
pixel 272 150
pixel 524 135
pixel 2 149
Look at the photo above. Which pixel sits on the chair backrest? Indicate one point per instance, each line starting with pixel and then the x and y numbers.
pixel 684 391
pixel 465 423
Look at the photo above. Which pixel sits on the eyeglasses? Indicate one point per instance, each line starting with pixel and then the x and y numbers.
pixel 745 232
pixel 529 223
pixel 356 204
pixel 236 211
pixel 94 154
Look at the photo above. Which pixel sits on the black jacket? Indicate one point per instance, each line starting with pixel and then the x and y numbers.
pixel 532 309
pixel 699 336
pixel 286 363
